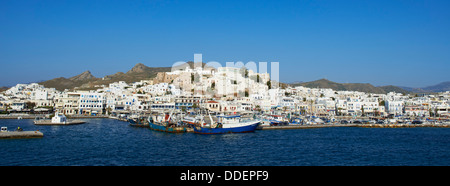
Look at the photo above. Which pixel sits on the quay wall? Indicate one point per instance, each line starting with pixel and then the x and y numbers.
pixel 445 125
pixel 303 126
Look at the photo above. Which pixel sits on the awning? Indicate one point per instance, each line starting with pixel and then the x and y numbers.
pixel 41 110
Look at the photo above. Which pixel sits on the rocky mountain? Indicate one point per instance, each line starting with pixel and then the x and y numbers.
pixel 3 89
pixel 361 87
pixel 62 83
pixel 85 76
pixel 87 81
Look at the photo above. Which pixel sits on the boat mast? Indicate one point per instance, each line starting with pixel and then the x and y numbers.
pixel 211 122
pixel 170 115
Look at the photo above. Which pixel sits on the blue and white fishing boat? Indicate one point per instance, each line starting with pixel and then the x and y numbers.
pixel 228 124
pixel 296 121
pixel 277 120
pixel 165 126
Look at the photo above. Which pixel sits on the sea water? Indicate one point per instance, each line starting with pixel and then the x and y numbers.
pixel 107 142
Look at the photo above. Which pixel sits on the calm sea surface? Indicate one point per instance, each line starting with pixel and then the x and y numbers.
pixel 113 143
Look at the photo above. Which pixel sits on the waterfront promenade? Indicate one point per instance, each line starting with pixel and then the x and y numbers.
pixel 33 116
pixel 288 127
pixel 293 127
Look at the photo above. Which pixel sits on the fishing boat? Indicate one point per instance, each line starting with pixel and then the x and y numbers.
pixel 296 121
pixel 228 124
pixel 165 126
pixel 165 123
pixel 193 120
pixel 138 122
pixel 277 120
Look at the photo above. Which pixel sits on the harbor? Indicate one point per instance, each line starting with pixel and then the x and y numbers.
pixel 109 142
pixel 293 127
pixel 314 126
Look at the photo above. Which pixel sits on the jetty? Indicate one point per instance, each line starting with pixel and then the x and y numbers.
pixel 49 122
pixel 443 125
pixel 21 134
pixel 58 119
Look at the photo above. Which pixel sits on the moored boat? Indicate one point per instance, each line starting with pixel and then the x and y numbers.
pixel 296 121
pixel 165 126
pixel 228 124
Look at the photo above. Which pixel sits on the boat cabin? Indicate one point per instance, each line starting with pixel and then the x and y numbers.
pixel 229 119
pixel 277 117
pixel 296 121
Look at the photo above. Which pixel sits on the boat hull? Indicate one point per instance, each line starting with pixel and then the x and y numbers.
pixel 241 129
pixel 161 128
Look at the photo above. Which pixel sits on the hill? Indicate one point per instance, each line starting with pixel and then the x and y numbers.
pixel 87 81
pixel 62 83
pixel 137 73
pixel 361 87
pixel 441 87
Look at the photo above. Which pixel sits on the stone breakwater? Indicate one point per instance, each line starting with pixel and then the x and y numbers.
pixel 21 134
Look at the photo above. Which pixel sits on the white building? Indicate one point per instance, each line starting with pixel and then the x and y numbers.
pixel 394 107
pixel 92 103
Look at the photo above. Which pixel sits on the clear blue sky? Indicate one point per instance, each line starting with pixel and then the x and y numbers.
pixel 382 42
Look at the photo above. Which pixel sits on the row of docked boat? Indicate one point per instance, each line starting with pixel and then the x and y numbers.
pixel 199 124
pixel 218 124
pixel 280 120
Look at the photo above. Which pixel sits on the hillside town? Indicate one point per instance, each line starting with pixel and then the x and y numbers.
pixel 225 90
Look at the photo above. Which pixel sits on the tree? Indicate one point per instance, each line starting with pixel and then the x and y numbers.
pixel 30 105
pixel 213 85
pixel 269 84
pixel 195 106
pixel 246 94
pixel 108 110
